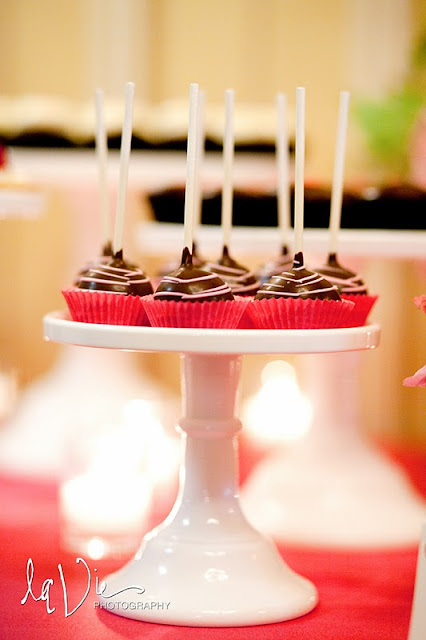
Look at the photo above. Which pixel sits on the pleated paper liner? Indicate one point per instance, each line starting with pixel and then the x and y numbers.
pixel 297 313
pixel 100 307
pixel 246 322
pixel 222 314
pixel 363 305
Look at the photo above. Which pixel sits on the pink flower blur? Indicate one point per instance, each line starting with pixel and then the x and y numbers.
pixel 417 380
pixel 420 302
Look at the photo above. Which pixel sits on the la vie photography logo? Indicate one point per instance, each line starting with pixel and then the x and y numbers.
pixel 47 589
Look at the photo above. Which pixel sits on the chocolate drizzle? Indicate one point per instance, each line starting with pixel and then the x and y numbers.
pixel 298 282
pixel 346 281
pixel 115 276
pixel 190 284
pixel 242 281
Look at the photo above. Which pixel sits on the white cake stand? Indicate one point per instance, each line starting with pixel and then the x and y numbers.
pixel 206 565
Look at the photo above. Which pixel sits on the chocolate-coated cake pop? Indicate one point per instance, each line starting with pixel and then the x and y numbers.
pixel 189 284
pixel 346 281
pixel 298 282
pixel 116 276
pixel 242 281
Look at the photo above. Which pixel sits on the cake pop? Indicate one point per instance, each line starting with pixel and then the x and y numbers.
pixel 197 261
pixel 110 292
pixel 190 284
pixel 190 297
pixel 116 276
pixel 283 261
pixel 242 281
pixel 298 298
pixel 350 284
pixel 298 282
pixel 347 282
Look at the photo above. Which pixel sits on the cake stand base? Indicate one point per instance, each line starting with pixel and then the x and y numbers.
pixel 239 580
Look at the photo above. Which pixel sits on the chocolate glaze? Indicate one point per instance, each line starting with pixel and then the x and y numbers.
pixel 116 276
pixel 347 282
pixel 274 267
pixel 190 284
pixel 298 282
pixel 242 281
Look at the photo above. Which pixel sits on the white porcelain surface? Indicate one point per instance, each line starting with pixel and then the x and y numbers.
pixel 231 580
pixel 59 329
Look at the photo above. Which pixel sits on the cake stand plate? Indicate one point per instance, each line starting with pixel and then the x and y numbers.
pixel 58 328
pixel 206 565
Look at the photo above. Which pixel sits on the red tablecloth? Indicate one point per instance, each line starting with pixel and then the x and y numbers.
pixel 363 596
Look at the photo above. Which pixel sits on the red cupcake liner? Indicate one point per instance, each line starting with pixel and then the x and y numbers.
pixel 101 307
pixel 297 313
pixel 246 322
pixel 222 314
pixel 363 305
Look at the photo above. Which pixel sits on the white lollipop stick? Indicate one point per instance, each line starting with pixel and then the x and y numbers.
pixel 191 163
pixel 299 176
pixel 339 165
pixel 126 139
pixel 198 197
pixel 101 153
pixel 228 160
pixel 283 169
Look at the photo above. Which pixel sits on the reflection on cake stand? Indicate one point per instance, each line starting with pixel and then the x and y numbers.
pixel 333 488
pixel 206 565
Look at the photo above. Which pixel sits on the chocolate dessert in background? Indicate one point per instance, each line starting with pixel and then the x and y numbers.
pixel 39 139
pixel 377 207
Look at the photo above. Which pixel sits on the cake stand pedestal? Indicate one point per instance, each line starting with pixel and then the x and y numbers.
pixel 206 565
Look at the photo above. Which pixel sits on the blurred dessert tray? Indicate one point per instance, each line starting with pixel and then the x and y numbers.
pixel 152 171
pixel 21 203
pixel 148 170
